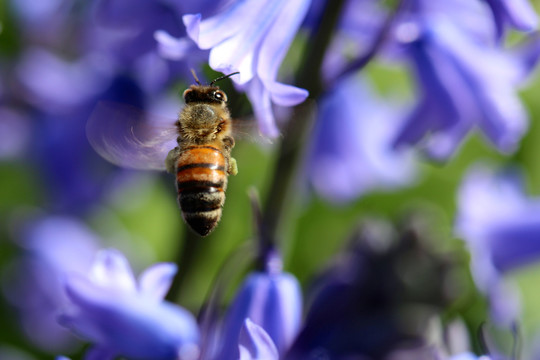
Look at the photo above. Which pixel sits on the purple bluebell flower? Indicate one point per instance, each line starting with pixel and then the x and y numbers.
pixel 126 28
pixel 255 343
pixel 351 151
pixel 45 22
pixel 127 32
pixel 252 37
pixel 121 316
pixel 360 24
pixel 53 246
pixel 518 14
pixel 500 225
pixel 469 356
pixel 358 303
pixel 271 299
pixel 464 83
pixel 15 133
pixel 55 85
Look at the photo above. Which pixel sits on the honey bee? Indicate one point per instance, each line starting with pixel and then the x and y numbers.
pixel 201 159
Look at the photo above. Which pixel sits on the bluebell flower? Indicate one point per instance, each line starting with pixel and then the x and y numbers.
pixel 501 226
pixel 62 95
pixel 464 82
pixel 255 343
pixel 15 133
pixel 55 85
pixel 518 14
pixel 360 23
pixel 252 37
pixel 270 299
pixel 126 33
pixel 126 28
pixel 351 151
pixel 469 356
pixel 53 246
pixel 123 317
pixel 359 304
pixel 45 22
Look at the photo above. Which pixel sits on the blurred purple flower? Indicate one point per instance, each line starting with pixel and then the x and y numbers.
pixel 46 22
pixel 15 133
pixel 351 151
pixel 356 315
pixel 124 317
pixel 253 37
pixel 54 246
pixel 255 343
pixel 127 30
pixel 518 14
pixel 130 26
pixel 501 227
pixel 360 24
pixel 465 82
pixel 270 299
pixel 55 85
pixel 469 356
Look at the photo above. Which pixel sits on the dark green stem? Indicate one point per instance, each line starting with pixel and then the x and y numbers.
pixel 187 254
pixel 295 131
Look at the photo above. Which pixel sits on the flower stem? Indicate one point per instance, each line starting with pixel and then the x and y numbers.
pixel 186 256
pixel 296 128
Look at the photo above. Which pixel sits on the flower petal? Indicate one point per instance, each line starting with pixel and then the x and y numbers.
pixel 193 23
pixel 127 324
pixel 156 280
pixel 111 269
pixel 260 100
pixel 285 95
pixel 209 32
pixel 276 43
pixel 170 47
pixel 273 301
pixel 255 343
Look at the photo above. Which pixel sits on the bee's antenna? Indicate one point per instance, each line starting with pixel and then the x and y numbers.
pixel 223 77
pixel 195 76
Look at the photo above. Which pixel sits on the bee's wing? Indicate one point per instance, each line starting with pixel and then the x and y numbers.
pixel 128 137
pixel 246 128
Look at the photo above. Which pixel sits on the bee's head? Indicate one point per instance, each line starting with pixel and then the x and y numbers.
pixel 204 94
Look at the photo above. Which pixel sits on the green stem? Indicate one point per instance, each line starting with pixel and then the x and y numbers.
pixel 298 125
pixel 186 256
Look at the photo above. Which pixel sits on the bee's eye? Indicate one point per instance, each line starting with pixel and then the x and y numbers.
pixel 219 95
pixel 188 95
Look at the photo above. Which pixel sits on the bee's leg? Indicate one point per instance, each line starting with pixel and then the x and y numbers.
pixel 228 142
pixel 170 161
pixel 233 167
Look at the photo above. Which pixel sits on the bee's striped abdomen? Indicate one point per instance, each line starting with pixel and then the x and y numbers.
pixel 201 180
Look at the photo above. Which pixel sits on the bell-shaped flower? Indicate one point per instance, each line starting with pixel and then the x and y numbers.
pixel 358 304
pixel 464 83
pixel 55 85
pixel 469 356
pixel 15 132
pixel 351 151
pixel 123 317
pixel 518 14
pixel 255 343
pixel 33 283
pixel 271 299
pixel 252 37
pixel 501 226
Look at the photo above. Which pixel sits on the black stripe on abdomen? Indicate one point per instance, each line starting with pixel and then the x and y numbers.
pixel 201 165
